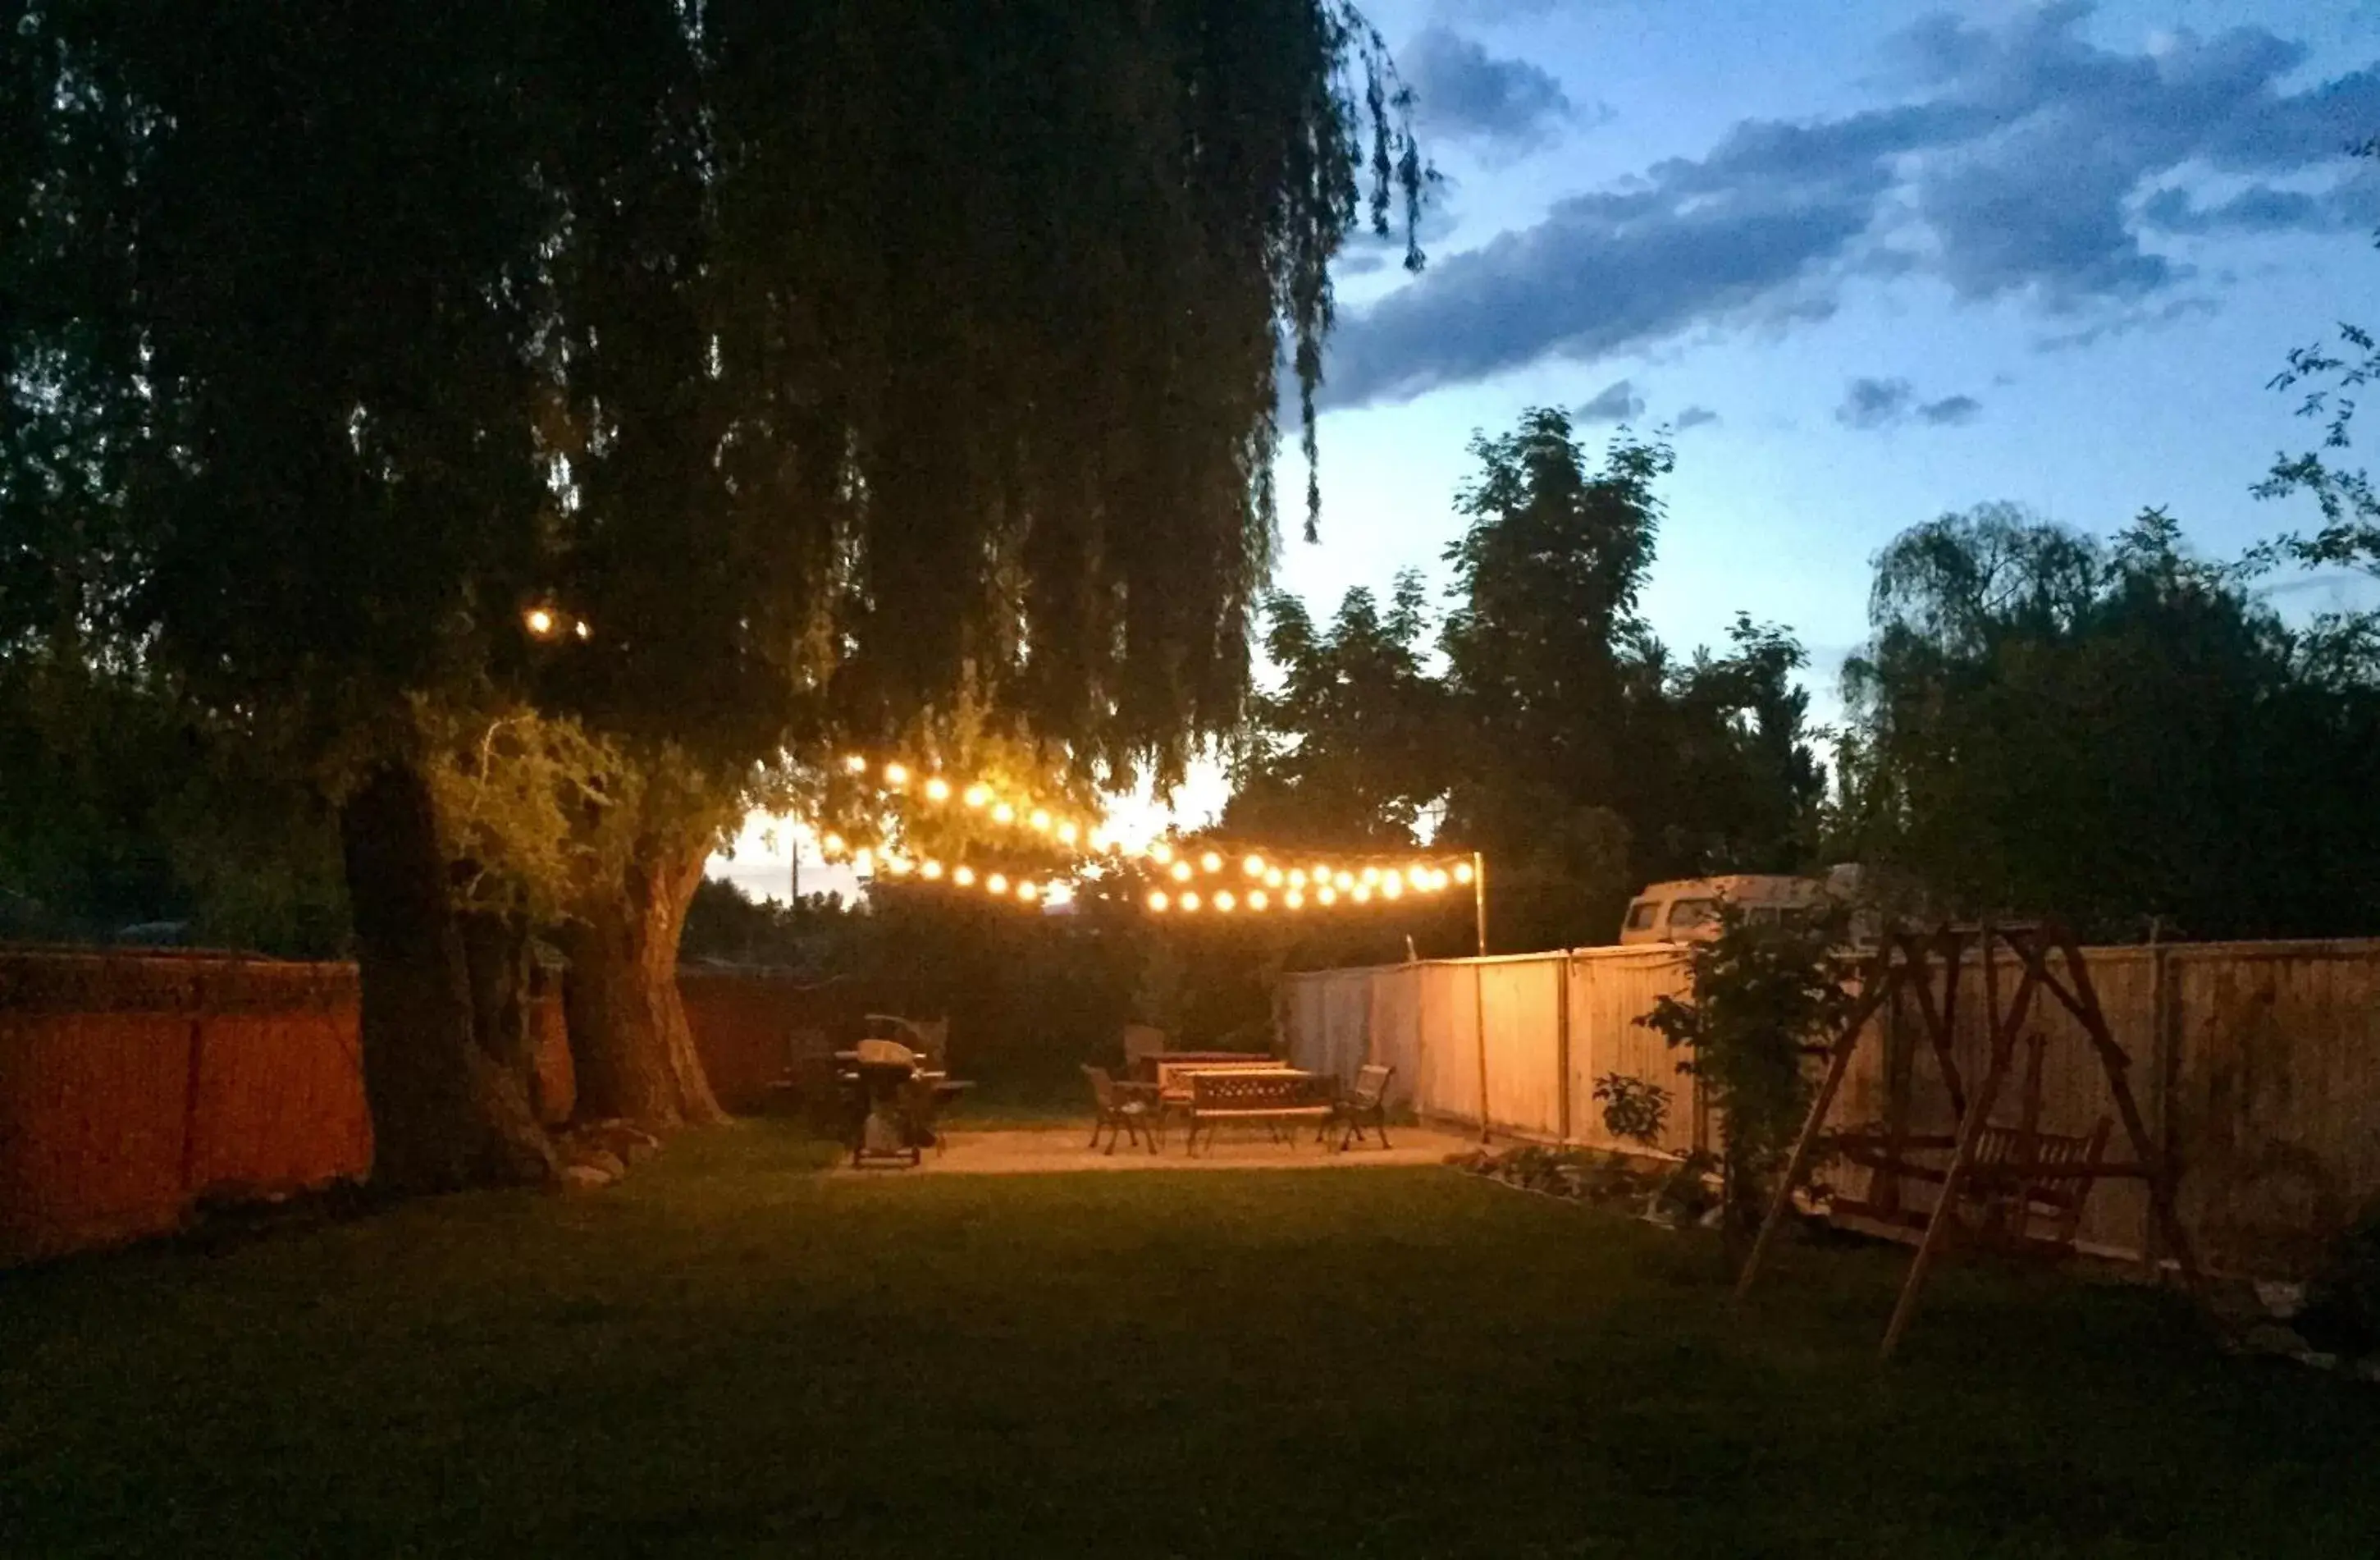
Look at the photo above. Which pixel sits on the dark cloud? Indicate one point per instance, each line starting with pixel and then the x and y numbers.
pixel 1616 402
pixel 1694 417
pixel 1875 403
pixel 1460 91
pixel 2016 168
pixel 1871 404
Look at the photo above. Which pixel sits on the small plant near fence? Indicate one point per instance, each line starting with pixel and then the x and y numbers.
pixel 1636 1110
pixel 1764 996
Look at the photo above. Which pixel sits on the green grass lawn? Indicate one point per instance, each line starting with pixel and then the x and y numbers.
pixel 732 1353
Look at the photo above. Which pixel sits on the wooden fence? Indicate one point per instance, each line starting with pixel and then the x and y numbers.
pixel 135 1086
pixel 2258 1062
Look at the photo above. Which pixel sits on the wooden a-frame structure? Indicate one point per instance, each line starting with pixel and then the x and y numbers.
pixel 1909 962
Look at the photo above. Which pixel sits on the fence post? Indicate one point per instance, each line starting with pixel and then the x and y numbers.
pixel 2164 1047
pixel 1562 1043
pixel 1479 1029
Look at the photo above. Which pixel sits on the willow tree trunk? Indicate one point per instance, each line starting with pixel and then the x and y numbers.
pixel 630 1046
pixel 446 1114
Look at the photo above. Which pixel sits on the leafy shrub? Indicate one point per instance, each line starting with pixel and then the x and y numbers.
pixel 1634 1109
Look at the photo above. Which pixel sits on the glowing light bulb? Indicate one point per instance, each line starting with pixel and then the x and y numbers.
pixel 1039 822
pixel 1003 814
pixel 1297 878
pixel 931 871
pixel 1294 899
pixel 1322 874
pixel 1253 866
pixel 1158 901
pixel 1189 900
pixel 1346 881
pixel 539 620
pixel 1027 892
pixel 937 789
pixel 1462 872
pixel 899 866
pixel 996 882
pixel 1181 871
pixel 1418 876
pixel 830 844
pixel 1068 834
pixel 583 628
pixel 896 773
pixel 855 764
pixel 1160 852
pixel 1211 862
pixel 1371 874
pixel 1391 886
pixel 1273 878
pixel 978 796
pixel 962 876
pixel 1327 894
pixel 1363 894
pixel 1256 900
pixel 1224 901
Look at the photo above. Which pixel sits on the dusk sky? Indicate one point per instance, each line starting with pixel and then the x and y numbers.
pixel 1867 262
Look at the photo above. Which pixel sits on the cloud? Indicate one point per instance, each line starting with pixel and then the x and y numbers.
pixel 1875 403
pixel 2025 162
pixel 1462 92
pixel 1870 404
pixel 1694 417
pixel 1616 402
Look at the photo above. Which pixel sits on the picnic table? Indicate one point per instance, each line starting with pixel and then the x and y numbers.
pixel 1274 1095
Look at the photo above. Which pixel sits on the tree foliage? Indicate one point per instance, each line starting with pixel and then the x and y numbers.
pixel 2044 724
pixel 1764 995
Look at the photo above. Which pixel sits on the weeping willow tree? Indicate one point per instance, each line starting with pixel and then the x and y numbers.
pixel 816 356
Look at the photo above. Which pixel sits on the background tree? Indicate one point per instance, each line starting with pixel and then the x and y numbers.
pixel 1350 746
pixel 2044 725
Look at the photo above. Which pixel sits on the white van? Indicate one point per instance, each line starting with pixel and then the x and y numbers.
pixel 1687 910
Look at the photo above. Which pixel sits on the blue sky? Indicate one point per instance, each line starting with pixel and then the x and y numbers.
pixel 1869 261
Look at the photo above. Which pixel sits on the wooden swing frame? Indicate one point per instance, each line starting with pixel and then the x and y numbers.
pixel 2019 1166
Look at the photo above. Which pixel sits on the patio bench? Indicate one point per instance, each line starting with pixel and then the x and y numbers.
pixel 1273 1095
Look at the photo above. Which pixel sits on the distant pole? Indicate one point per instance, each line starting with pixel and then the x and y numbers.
pixel 794 872
pixel 1479 899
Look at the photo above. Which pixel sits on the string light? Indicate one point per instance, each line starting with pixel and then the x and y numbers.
pixel 855 764
pixel 1068 834
pixel 896 775
pixel 830 844
pixel 1273 878
pixel 996 882
pixel 1343 882
pixel 931 871
pixel 539 621
pixel 1371 874
pixel 1189 900
pixel 1029 892
pixel 1294 899
pixel 1160 852
pixel 1391 886
pixel 1363 894
pixel 937 789
pixel 1212 861
pixel 1224 902
pixel 1040 821
pixel 978 795
pixel 1256 900
pixel 1181 871
pixel 962 876
pixel 1462 872
pixel 1254 866
pixel 1297 878
pixel 1327 894
pixel 1003 814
